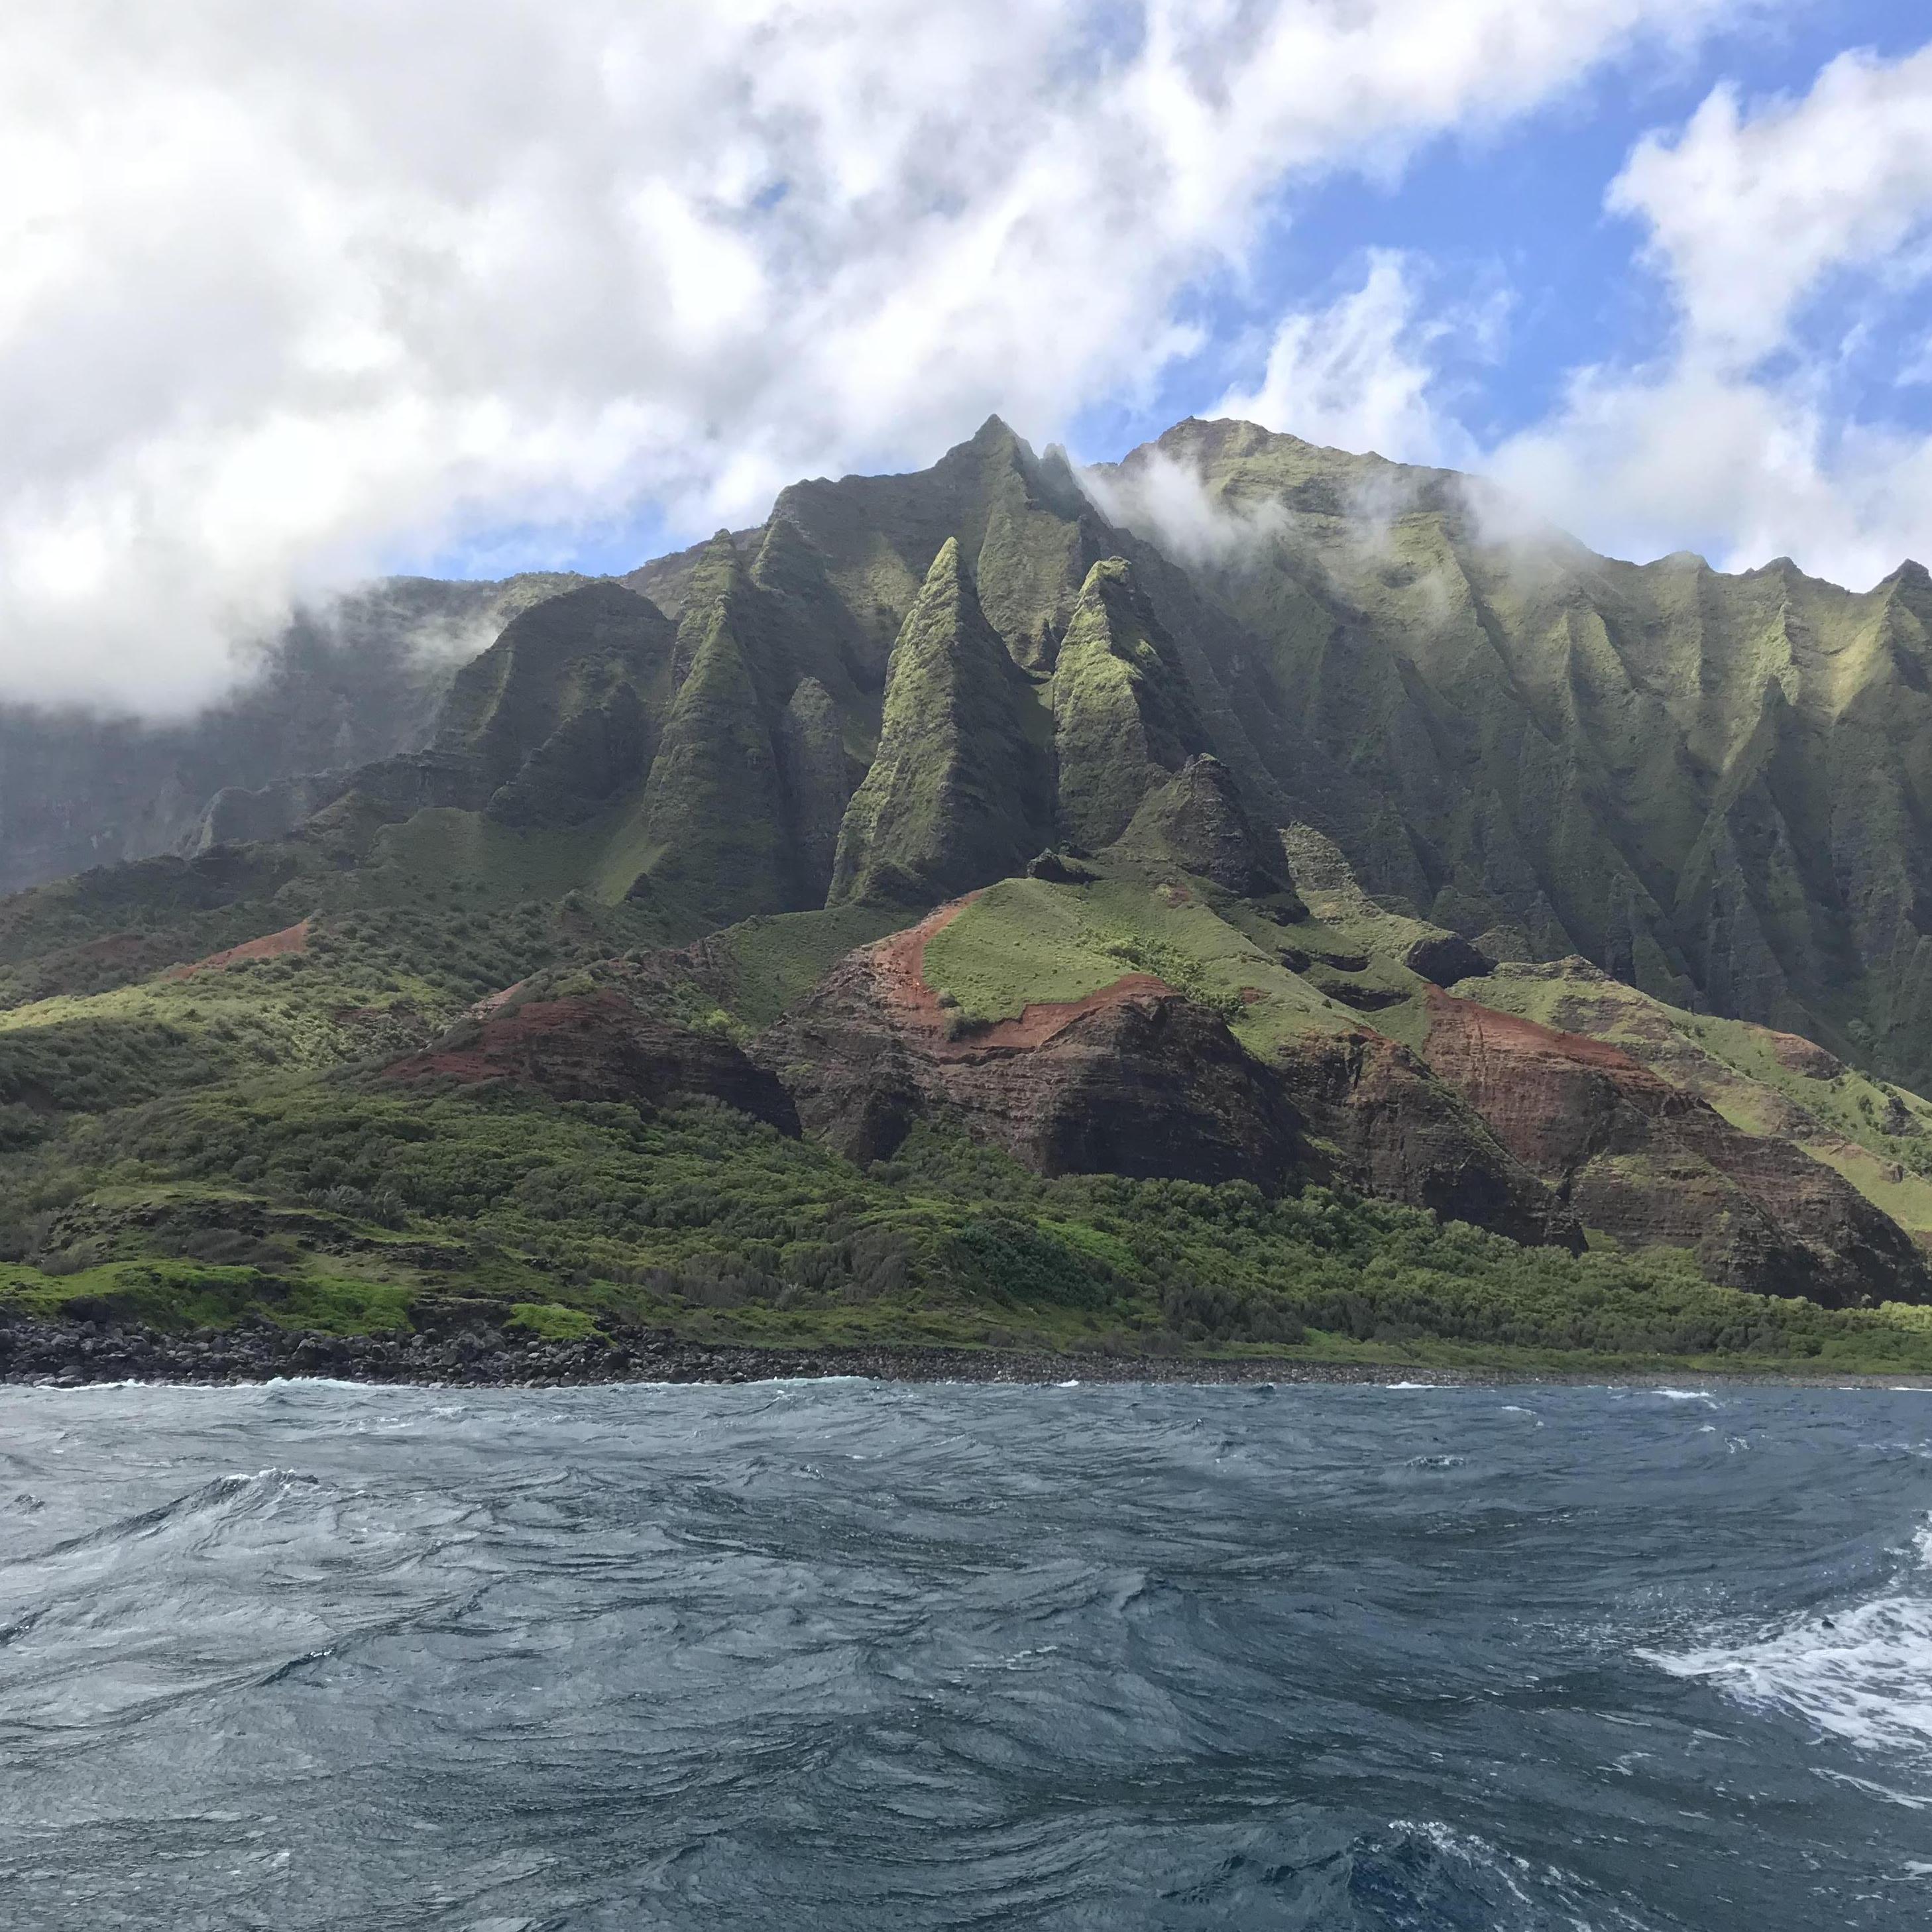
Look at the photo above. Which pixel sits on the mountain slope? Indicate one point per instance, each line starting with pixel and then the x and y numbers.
pixel 953 895
pixel 959 792
pixel 1718 787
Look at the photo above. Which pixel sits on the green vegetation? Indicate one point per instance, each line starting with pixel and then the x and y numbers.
pixel 1123 714
pixel 900 690
pixel 1025 941
pixel 332 1202
pixel 959 792
pixel 1877 1135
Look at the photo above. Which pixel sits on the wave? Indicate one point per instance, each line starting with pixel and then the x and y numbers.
pixel 231 1495
pixel 1421 1873
pixel 1863 1674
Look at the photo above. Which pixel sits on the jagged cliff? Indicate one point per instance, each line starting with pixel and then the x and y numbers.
pixel 1252 847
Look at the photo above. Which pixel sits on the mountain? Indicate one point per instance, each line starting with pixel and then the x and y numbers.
pixel 1715 788
pixel 1250 895
pixel 345 684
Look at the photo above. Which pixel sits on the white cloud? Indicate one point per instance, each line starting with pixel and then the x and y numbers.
pixel 1748 213
pixel 1169 501
pixel 282 288
pixel 1718 446
pixel 1364 373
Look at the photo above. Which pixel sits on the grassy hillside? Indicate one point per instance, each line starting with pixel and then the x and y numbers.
pixel 1875 1133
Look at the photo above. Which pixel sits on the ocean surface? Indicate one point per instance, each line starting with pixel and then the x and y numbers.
pixel 836 1655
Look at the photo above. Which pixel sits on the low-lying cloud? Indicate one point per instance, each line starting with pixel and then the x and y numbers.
pixel 288 292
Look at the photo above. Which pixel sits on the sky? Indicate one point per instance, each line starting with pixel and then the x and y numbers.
pixel 294 295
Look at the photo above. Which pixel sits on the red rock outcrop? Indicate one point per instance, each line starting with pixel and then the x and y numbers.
pixel 1135 1079
pixel 270 946
pixel 598 1046
pixel 1649 1163
pixel 1382 1125
pixel 1132 1079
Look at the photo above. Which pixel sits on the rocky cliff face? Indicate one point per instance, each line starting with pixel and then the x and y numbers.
pixel 1483 752
pixel 1385 1125
pixel 958 794
pixel 1134 1079
pixel 1645 1162
pixel 358 681
pixel 1715 787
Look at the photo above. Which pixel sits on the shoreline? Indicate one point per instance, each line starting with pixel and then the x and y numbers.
pixel 53 1355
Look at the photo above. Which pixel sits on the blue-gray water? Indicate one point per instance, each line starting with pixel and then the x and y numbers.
pixel 846 1656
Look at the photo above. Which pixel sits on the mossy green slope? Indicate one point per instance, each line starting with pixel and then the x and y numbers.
pixel 1124 715
pixel 712 836
pixel 1026 532
pixel 958 794
pixel 563 713
pixel 1719 787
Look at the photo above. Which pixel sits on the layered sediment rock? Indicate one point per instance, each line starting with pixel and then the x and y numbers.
pixel 1649 1164
pixel 1384 1126
pixel 1133 1079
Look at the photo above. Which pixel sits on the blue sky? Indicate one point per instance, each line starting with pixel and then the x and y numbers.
pixel 1508 247
pixel 1517 214
pixel 297 296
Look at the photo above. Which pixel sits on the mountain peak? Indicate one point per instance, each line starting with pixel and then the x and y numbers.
pixel 994 442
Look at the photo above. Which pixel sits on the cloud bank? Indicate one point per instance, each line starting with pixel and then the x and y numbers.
pixel 1738 440
pixel 287 291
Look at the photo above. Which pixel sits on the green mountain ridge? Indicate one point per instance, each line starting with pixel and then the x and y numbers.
pixel 1381 842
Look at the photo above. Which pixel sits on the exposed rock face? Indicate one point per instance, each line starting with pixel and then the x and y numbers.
pixel 957 796
pixel 236 815
pixel 599 1047
pixel 1134 1079
pixel 1649 1163
pixel 1384 1126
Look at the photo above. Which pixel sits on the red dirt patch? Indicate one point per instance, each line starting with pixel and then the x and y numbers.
pixel 1803 1056
pixel 597 1046
pixel 898 966
pixel 492 1002
pixel 270 946
pixel 1485 1031
pixel 508 1037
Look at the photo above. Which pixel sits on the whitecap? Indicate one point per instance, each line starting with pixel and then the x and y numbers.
pixel 1863 1674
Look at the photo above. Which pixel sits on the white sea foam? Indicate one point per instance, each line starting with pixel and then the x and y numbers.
pixel 1863 1674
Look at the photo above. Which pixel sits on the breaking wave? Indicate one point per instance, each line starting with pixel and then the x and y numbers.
pixel 1863 1674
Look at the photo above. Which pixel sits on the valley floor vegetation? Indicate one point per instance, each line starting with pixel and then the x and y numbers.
pixel 323 1202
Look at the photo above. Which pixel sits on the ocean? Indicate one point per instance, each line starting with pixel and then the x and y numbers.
pixel 853 1655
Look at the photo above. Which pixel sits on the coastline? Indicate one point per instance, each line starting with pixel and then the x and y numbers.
pixel 52 1354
